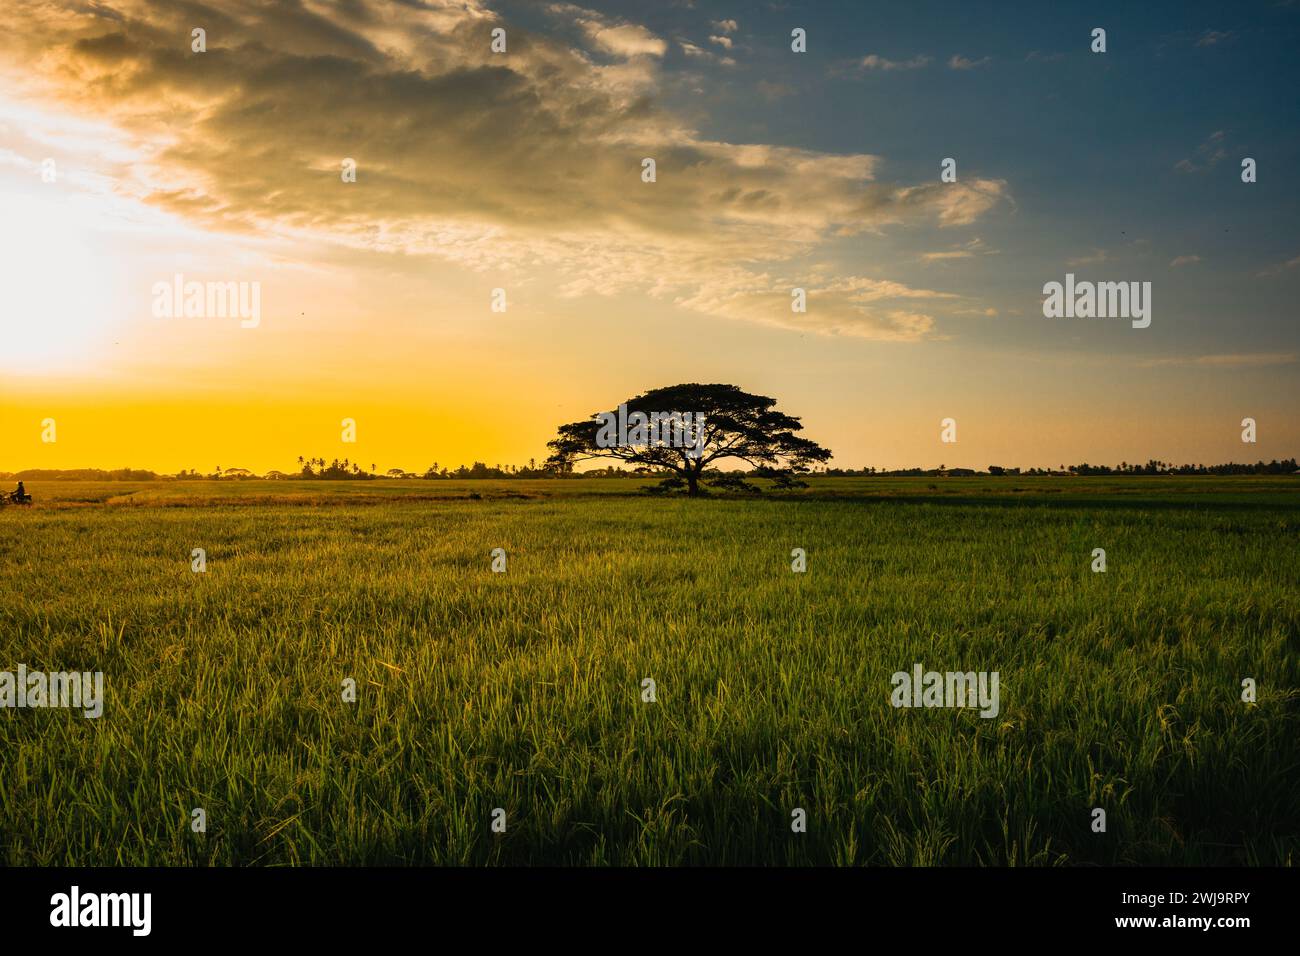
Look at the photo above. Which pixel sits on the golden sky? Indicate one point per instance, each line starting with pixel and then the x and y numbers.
pixel 522 171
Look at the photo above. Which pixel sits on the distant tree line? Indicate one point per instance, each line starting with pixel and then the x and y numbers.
pixel 1286 466
pixel 79 474
pixel 345 470
pixel 341 470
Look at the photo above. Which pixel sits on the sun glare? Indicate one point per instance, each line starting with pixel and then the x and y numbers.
pixel 58 281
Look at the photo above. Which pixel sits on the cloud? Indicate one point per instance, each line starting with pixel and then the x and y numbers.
pixel 874 62
pixel 968 250
pixel 698 52
pixel 1212 37
pixel 616 37
pixel 1207 155
pixel 526 163
pixel 852 305
pixel 958 62
pixel 1184 261
pixel 724 42
pixel 1279 268
pixel 773 91
pixel 1238 360
pixel 1096 257
pixel 726 26
pixel 954 204
pixel 627 40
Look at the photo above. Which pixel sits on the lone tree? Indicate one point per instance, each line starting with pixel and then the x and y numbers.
pixel 736 425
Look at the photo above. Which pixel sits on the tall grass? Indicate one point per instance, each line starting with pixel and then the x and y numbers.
pixel 523 690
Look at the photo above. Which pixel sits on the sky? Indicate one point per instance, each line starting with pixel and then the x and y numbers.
pixel 128 158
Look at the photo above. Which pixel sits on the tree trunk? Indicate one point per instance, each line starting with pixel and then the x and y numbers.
pixel 692 482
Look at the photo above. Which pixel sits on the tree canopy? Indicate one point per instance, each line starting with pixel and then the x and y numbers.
pixel 734 423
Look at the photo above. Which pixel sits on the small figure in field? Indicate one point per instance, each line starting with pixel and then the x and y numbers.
pixel 21 496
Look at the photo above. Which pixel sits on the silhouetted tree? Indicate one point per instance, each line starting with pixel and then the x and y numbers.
pixel 736 425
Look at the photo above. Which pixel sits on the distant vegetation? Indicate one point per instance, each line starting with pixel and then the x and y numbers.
pixel 80 474
pixel 337 470
pixel 1287 466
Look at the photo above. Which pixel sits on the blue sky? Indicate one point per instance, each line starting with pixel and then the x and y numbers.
pixel 1088 143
